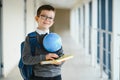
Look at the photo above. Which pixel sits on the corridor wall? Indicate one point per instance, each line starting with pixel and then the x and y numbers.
pixel 17 21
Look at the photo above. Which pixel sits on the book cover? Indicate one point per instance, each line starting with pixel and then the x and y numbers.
pixel 63 58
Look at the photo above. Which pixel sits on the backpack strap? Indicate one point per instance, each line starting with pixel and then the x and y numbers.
pixel 33 41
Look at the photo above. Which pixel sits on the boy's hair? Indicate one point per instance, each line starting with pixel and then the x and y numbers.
pixel 45 7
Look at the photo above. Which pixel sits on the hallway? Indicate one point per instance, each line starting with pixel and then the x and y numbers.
pixel 77 68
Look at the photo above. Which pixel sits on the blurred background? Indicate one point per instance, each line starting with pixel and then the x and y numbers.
pixel 90 30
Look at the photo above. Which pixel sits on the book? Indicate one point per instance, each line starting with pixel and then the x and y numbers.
pixel 62 58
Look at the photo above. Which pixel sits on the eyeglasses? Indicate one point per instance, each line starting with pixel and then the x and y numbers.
pixel 44 17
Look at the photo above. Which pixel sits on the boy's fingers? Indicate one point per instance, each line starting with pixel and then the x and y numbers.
pixel 54 56
pixel 51 56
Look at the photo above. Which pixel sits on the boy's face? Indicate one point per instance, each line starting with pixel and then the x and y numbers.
pixel 46 19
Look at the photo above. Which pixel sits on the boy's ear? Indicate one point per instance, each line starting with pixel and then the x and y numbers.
pixel 36 18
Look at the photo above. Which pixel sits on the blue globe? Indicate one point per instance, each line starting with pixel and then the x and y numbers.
pixel 52 42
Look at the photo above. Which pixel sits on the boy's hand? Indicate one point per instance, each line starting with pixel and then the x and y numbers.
pixel 51 56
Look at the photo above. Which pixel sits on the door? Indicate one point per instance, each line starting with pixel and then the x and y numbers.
pixel 1 65
pixel 90 25
pixel 105 33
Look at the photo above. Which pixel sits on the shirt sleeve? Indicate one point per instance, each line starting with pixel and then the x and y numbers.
pixel 27 57
pixel 60 52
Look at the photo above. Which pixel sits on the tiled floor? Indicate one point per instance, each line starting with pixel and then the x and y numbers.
pixel 77 68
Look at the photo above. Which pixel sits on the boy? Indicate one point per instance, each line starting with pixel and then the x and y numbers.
pixel 45 19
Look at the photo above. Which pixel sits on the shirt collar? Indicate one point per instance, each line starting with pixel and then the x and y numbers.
pixel 42 32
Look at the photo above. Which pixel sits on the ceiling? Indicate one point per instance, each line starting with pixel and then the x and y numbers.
pixel 61 3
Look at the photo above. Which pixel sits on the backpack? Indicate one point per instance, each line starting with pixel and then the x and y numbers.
pixel 26 70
